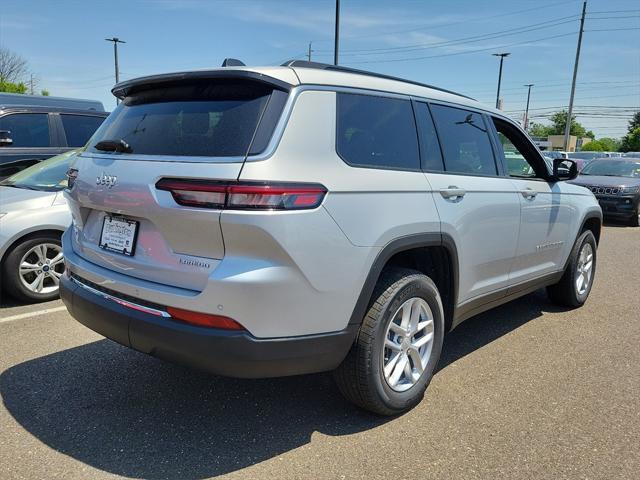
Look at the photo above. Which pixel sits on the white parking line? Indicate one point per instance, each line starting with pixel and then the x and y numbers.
pixel 32 314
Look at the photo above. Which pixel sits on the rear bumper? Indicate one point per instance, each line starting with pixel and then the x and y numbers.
pixel 222 352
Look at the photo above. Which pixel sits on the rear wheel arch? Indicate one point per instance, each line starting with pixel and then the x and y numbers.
pixel 434 254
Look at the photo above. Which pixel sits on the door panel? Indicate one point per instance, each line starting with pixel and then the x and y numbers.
pixel 477 207
pixel 545 217
pixel 482 215
pixel 545 227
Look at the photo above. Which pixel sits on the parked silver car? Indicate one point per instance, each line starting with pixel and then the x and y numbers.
pixel 33 215
pixel 270 221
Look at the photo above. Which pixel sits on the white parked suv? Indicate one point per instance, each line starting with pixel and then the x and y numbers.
pixel 259 222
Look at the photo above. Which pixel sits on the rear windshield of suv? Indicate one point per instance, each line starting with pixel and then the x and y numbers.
pixel 205 119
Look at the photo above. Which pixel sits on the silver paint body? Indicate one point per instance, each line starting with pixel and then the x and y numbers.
pixel 296 273
pixel 29 211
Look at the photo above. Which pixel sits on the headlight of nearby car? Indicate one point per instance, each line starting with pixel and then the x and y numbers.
pixel 627 190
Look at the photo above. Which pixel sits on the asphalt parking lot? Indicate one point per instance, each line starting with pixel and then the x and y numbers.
pixel 524 391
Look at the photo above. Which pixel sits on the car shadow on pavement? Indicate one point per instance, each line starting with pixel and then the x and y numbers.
pixel 129 414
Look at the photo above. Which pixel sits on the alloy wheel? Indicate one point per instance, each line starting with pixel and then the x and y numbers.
pixel 584 269
pixel 41 268
pixel 408 344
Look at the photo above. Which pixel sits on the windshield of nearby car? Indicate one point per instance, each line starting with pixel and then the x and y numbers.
pixel 47 176
pixel 613 168
pixel 587 155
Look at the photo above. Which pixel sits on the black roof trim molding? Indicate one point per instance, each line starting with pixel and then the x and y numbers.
pixel 337 68
pixel 128 87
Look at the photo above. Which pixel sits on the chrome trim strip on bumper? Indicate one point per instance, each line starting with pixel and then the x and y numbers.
pixel 124 303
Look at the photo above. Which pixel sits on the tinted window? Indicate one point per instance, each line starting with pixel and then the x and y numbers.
pixel 465 141
pixel 204 119
pixel 27 129
pixel 376 132
pixel 429 146
pixel 79 128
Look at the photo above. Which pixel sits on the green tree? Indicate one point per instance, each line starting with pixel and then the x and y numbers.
pixel 44 93
pixel 629 141
pixel 593 146
pixel 540 130
pixel 609 144
pixel 559 123
pixel 11 87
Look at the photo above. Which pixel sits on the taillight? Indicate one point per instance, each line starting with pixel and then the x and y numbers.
pixel 244 195
pixel 204 319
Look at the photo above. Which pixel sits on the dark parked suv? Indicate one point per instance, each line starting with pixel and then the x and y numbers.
pixel 616 184
pixel 36 128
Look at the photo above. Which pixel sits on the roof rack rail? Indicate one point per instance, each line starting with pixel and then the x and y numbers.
pixel 337 68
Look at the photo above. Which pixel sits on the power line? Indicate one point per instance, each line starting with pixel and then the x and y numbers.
pixel 613 11
pixel 466 52
pixel 472 39
pixel 612 29
pixel 488 17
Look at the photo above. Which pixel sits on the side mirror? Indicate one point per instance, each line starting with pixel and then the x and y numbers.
pixel 564 169
pixel 5 138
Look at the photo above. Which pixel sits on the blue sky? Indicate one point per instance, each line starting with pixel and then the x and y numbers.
pixel 445 43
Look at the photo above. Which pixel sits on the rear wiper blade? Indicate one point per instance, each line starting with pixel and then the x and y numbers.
pixel 113 146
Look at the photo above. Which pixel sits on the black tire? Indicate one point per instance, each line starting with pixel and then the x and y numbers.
pixel 565 292
pixel 360 377
pixel 635 220
pixel 11 282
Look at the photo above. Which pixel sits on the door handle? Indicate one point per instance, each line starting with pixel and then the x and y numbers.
pixel 529 193
pixel 452 192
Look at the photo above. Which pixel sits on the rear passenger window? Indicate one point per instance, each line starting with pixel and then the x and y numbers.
pixel 465 141
pixel 376 132
pixel 27 129
pixel 429 146
pixel 79 128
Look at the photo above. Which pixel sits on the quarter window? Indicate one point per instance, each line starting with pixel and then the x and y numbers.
pixel 79 128
pixel 27 129
pixel 465 141
pixel 376 132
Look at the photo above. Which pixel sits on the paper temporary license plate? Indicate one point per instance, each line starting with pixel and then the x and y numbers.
pixel 119 235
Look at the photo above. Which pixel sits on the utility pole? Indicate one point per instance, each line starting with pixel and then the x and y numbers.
pixel 31 84
pixel 309 52
pixel 116 41
pixel 526 112
pixel 337 34
pixel 501 55
pixel 567 129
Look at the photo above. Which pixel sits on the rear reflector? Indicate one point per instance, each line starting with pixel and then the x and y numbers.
pixel 204 319
pixel 244 195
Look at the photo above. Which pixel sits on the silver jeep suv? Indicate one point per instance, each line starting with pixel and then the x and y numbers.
pixel 258 222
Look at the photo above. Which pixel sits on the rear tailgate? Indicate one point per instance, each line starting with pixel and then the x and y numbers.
pixel 180 129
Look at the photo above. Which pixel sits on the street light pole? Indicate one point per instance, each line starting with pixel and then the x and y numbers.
pixel 501 55
pixel 567 128
pixel 116 41
pixel 309 51
pixel 337 34
pixel 526 112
